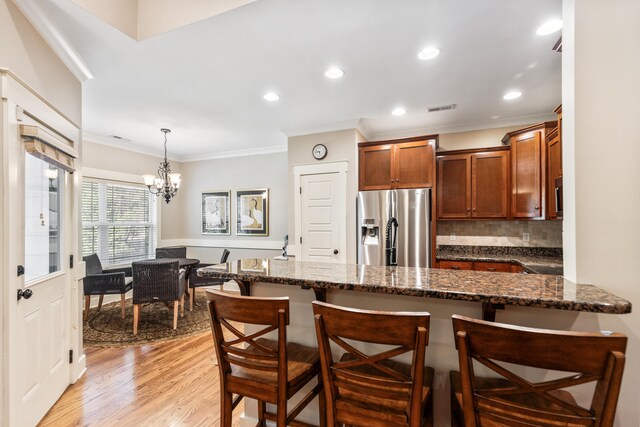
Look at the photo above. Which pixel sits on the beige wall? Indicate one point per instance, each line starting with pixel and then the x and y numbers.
pixel 475 139
pixel 341 146
pixel 121 14
pixel 24 52
pixel 98 156
pixel 600 69
pixel 237 173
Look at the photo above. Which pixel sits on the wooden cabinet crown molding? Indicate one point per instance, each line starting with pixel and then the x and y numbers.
pixel 401 140
pixel 506 140
pixel 472 150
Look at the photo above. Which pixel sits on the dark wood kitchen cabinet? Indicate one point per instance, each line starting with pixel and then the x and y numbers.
pixel 554 168
pixel 528 170
pixel 473 184
pixel 405 163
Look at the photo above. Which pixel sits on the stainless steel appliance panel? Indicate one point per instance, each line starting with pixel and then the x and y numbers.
pixel 394 227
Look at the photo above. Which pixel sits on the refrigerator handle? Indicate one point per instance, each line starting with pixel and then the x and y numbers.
pixel 391 235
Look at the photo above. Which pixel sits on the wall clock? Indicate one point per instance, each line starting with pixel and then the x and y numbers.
pixel 319 151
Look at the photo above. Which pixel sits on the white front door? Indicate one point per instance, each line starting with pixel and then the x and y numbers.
pixel 39 234
pixel 322 207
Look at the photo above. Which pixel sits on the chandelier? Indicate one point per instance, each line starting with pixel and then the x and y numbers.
pixel 166 183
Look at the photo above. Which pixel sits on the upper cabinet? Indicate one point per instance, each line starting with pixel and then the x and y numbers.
pixel 473 184
pixel 407 163
pixel 528 166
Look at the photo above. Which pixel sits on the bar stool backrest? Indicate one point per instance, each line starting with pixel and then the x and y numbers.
pixel 372 377
pixel 238 348
pixel 588 357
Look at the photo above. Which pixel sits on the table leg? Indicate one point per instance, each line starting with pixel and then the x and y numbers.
pixel 489 311
pixel 245 287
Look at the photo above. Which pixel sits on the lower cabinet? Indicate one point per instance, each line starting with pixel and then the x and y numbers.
pixel 499 267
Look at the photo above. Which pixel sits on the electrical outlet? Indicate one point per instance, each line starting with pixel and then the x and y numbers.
pixel 452 236
pixel 525 237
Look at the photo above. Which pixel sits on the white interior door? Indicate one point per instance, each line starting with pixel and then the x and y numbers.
pixel 322 207
pixel 39 236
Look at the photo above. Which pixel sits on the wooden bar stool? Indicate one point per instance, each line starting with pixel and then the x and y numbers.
pixel 270 371
pixel 373 390
pixel 514 401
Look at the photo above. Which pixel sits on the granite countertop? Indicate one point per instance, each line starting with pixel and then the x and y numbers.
pixel 532 290
pixel 534 260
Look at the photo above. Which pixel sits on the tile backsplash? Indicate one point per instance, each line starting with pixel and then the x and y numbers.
pixel 544 234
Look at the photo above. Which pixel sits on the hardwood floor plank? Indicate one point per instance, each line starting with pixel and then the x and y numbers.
pixel 173 383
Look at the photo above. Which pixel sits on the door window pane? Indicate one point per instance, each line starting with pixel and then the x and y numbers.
pixel 43 218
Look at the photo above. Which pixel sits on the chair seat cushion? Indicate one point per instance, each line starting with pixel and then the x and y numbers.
pixel 302 363
pixel 530 400
pixel 393 411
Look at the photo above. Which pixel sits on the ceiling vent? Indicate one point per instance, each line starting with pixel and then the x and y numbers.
pixel 441 108
pixel 558 46
pixel 119 138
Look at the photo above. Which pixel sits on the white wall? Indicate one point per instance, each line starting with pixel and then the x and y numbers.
pixel 601 148
pixel 341 146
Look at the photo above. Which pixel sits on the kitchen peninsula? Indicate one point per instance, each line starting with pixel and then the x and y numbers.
pixel 440 292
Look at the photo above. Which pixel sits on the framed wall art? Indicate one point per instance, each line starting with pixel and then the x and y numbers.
pixel 216 212
pixel 252 210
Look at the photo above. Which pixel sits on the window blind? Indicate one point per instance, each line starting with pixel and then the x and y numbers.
pixel 118 222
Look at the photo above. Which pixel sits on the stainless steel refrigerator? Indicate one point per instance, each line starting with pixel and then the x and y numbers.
pixel 394 227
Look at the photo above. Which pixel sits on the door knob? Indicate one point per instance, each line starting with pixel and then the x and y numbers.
pixel 26 294
pixel 335 252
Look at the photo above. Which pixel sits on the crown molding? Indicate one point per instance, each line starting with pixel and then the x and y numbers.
pixel 234 153
pixel 113 143
pixel 364 130
pixel 36 16
pixel 464 127
pixel 328 127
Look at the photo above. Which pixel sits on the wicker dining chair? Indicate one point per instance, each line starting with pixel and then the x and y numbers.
pixel 157 280
pixel 99 281
pixel 171 252
pixel 196 282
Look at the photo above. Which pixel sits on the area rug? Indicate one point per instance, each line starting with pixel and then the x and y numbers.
pixel 107 328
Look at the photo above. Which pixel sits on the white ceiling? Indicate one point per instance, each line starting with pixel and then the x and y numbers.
pixel 206 80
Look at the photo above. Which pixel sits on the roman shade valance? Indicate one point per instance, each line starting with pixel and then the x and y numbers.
pixel 48 146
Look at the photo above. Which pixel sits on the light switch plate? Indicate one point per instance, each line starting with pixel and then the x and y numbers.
pixel 452 236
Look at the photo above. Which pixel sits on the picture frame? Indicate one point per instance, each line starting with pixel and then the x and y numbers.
pixel 216 212
pixel 252 212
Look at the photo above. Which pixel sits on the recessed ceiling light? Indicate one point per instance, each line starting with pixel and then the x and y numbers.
pixel 549 27
pixel 271 96
pixel 428 53
pixel 398 111
pixel 334 73
pixel 512 95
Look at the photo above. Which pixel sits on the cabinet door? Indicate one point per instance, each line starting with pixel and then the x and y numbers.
pixel 456 265
pixel 490 184
pixel 413 164
pixel 526 179
pixel 454 189
pixel 375 167
pixel 554 168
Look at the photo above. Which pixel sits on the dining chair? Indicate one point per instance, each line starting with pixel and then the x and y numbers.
pixel 268 370
pixel 99 281
pixel 371 388
pixel 510 399
pixel 196 282
pixel 171 252
pixel 154 281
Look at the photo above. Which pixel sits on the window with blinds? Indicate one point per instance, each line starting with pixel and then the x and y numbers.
pixel 118 222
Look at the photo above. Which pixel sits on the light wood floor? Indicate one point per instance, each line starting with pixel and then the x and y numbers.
pixel 169 384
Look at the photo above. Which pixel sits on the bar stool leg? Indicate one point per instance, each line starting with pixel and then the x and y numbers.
pixel 226 410
pixel 261 410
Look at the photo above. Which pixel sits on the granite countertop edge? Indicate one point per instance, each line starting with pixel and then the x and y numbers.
pixel 622 307
pixel 528 262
